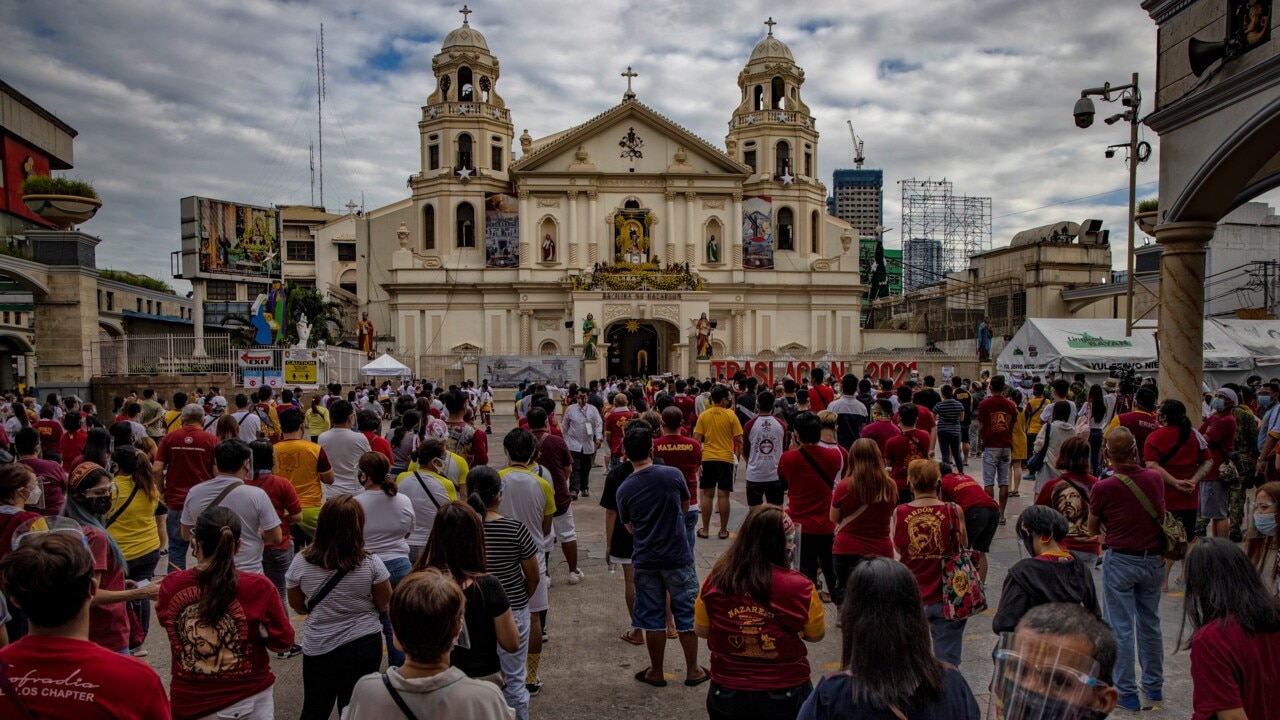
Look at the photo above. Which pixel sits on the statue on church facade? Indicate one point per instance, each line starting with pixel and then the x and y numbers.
pixel 589 338
pixel 548 248
pixel 702 335
pixel 713 250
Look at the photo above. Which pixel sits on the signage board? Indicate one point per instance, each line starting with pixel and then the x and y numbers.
pixel 256 358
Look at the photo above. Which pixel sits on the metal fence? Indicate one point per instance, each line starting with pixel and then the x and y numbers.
pixel 162 355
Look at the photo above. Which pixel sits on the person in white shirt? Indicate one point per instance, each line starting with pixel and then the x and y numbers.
pixel 344 447
pixel 259 523
pixel 428 488
pixel 388 519
pixel 249 422
pixel 583 430
pixel 764 440
pixel 1060 390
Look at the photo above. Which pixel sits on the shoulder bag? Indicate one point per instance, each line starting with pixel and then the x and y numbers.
pixel 116 515
pixel 399 701
pixel 221 496
pixel 325 589
pixel 426 490
pixel 962 593
pixel 831 483
pixel 1173 536
pixel 1036 462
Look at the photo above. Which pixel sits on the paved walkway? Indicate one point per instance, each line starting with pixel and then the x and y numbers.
pixel 588 672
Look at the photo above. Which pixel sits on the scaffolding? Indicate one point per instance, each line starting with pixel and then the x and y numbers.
pixel 961 223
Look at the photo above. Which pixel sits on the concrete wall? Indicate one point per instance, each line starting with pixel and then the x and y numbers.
pixel 106 388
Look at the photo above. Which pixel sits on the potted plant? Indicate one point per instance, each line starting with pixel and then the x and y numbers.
pixel 62 202
pixel 1148 212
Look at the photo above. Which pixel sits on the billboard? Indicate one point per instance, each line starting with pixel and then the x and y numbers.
pixel 757 232
pixel 508 371
pixel 230 239
pixel 501 231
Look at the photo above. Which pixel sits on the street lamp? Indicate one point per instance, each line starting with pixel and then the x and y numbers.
pixel 1130 97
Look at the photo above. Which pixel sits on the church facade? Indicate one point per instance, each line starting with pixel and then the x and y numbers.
pixel 615 239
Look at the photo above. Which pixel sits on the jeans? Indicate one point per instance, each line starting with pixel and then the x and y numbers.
pixel 1095 449
pixel 514 667
pixel 656 590
pixel 948 635
pixel 691 519
pixel 580 478
pixel 783 704
pixel 995 466
pixel 950 446
pixel 815 554
pixel 143 568
pixel 398 567
pixel 332 676
pixel 1131 605
pixel 275 563
pixel 178 547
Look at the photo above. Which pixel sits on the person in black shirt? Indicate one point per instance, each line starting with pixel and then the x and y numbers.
pixel 927 396
pixel 1048 575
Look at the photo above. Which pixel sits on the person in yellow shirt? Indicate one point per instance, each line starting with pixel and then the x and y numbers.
pixel 317 419
pixel 133 523
pixel 173 417
pixel 720 432
pixel 1032 423
pixel 304 464
pixel 454 468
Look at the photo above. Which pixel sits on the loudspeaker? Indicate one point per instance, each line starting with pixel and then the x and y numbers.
pixel 1203 53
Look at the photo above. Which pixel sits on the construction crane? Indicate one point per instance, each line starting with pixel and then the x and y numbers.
pixel 857 146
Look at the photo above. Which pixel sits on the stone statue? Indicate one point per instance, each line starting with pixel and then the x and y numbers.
pixel 548 248
pixel 846 241
pixel 702 335
pixel 713 250
pixel 364 335
pixel 304 332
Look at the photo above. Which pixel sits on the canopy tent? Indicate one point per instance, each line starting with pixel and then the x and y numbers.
pixel 1099 347
pixel 386 366
pixel 1260 337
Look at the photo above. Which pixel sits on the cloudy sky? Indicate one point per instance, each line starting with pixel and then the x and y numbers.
pixel 218 98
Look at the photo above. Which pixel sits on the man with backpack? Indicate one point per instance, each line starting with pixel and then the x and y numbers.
pixel 247 420
pixel 464 438
pixel 265 410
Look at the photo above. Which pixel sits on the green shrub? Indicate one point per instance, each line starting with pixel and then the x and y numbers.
pixel 142 281
pixel 45 185
pixel 1149 205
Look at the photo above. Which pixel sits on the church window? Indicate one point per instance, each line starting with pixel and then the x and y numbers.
pixel 749 159
pixel 464 151
pixel 758 104
pixel 433 157
pixel 466 92
pixel 782 158
pixel 466 225
pixel 631 204
pixel 495 157
pixel 786 229
pixel 346 251
pixel 779 94
pixel 428 227
pixel 815 232
pixel 808 164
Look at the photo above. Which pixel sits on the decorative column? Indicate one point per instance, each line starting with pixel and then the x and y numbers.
pixel 571 247
pixel 690 217
pixel 670 255
pixel 593 227
pixel 197 317
pixel 733 238
pixel 737 330
pixel 526 332
pixel 1180 339
pixel 526 257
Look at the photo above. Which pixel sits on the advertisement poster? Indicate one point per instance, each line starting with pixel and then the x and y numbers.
pixel 501 231
pixel 757 232
pixel 234 239
pixel 508 371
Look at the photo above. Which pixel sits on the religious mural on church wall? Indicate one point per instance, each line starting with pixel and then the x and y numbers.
pixel 501 231
pixel 633 236
pixel 757 232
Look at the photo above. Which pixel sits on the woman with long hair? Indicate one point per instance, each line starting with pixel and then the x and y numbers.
pixel 74 436
pixel 888 667
pixel 388 519
pixel 925 531
pixel 132 524
pixel 1069 494
pixel 1261 543
pixel 91 493
pixel 1048 574
pixel 1235 626
pixel 753 593
pixel 317 418
pixel 512 557
pixel 220 623
pixel 1099 409
pixel 341 588
pixel 97 448
pixel 1174 450
pixel 456 548
pixel 228 428
pixel 1052 435
pixel 404 441
pixel 862 508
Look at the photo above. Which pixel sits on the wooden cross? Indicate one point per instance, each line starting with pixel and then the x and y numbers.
pixel 770 23
pixel 467 11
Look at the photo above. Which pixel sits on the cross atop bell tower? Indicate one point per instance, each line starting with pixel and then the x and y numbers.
pixel 629 74
pixel 768 22
pixel 466 12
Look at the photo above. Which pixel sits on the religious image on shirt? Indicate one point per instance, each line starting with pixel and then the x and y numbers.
pixel 999 422
pixel 1073 505
pixel 924 533
pixel 751 640
pixel 204 649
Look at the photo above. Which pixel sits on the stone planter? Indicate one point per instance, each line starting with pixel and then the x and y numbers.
pixel 62 211
pixel 1147 221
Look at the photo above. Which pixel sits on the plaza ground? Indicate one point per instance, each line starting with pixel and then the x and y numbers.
pixel 588 671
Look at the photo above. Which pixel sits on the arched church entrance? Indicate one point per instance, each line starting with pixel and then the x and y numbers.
pixel 639 348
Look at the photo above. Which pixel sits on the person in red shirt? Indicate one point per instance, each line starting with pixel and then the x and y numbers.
pixel 1219 430
pixel 1235 625
pixel 861 507
pixel 1069 494
pixel 688 409
pixel 996 416
pixel 981 512
pixel 820 395
pixel 911 444
pixel 369 425
pixel 464 439
pixel 1176 453
pixel 51 577
pixel 186 455
pixel 1141 421
pixel 74 435
pixel 753 594
pixel 554 456
pixel 925 419
pixel 53 479
pixel 809 472
pixel 683 453
pixel 882 427
pixel 220 623
pixel 284 498
pixel 615 426
pixel 50 430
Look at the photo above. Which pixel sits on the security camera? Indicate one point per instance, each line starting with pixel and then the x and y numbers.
pixel 1084 112
pixel 1111 153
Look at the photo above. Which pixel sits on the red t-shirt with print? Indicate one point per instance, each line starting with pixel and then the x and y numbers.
pixel 900 451
pixel 60 677
pixel 284 498
pixel 188 454
pixel 683 454
pixel 923 537
pixel 867 534
pixel 214 666
pixel 966 492
pixel 615 425
pixel 996 415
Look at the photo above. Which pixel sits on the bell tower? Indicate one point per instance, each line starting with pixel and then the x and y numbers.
pixel 465 139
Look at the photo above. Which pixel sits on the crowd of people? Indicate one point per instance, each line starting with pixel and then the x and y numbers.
pixel 422 563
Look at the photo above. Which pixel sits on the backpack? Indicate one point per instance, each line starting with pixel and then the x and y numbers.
pixel 460 441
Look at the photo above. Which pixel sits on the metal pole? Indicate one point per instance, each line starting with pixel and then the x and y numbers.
pixel 1133 190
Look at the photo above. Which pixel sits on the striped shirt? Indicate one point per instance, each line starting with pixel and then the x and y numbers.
pixel 506 543
pixel 347 613
pixel 950 413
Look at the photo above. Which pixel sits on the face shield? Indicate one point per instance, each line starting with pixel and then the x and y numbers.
pixel 31 531
pixel 1040 678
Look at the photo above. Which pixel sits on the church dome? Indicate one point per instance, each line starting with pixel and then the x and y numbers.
pixel 771 48
pixel 467 36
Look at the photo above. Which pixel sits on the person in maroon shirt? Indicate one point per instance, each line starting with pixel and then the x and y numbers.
pixel 476 450
pixel 553 454
pixel 1235 625
pixel 809 472
pixel 1141 421
pixel 1069 494
pixel 1132 566
pixel 981 512
pixel 911 444
pixel 882 427
pixel 861 507
pixel 1175 453
pixel 186 455
pixel 284 498
pixel 369 425
pixel 1219 430
pixel 50 430
pixel 615 426
pixel 688 410
pixel 73 438
pixel 925 419
pixel 996 416
pixel 53 479
pixel 683 453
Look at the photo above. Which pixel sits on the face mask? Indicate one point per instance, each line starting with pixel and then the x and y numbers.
pixel 36 494
pixel 1218 404
pixel 100 505
pixel 1266 524
pixel 1264 400
pixel 1024 704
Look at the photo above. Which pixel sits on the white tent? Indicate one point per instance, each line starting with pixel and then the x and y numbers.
pixel 386 366
pixel 1260 337
pixel 1099 347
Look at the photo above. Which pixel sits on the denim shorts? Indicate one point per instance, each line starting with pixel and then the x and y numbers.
pixel 652 587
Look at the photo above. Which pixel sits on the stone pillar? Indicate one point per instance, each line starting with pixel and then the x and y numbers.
pixel 737 330
pixel 593 227
pixel 526 257
pixel 572 247
pixel 526 332
pixel 732 236
pixel 197 316
pixel 66 328
pixel 669 254
pixel 1181 333
pixel 29 371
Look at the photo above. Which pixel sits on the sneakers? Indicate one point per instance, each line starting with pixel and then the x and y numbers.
pixel 586 492
pixel 545 639
pixel 533 688
pixel 139 652
pixel 576 576
pixel 295 650
pixel 1133 704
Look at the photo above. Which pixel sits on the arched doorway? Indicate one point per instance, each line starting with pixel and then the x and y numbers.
pixel 14 351
pixel 639 347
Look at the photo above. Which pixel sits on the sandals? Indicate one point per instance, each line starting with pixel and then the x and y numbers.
pixel 702 533
pixel 706 675
pixel 630 637
pixel 642 676
pixel 724 535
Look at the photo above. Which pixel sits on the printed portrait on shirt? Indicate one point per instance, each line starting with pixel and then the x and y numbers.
pixel 1073 505
pixel 924 533
pixel 204 649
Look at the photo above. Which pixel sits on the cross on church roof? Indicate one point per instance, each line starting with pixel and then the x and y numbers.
pixel 770 23
pixel 467 11
pixel 630 95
